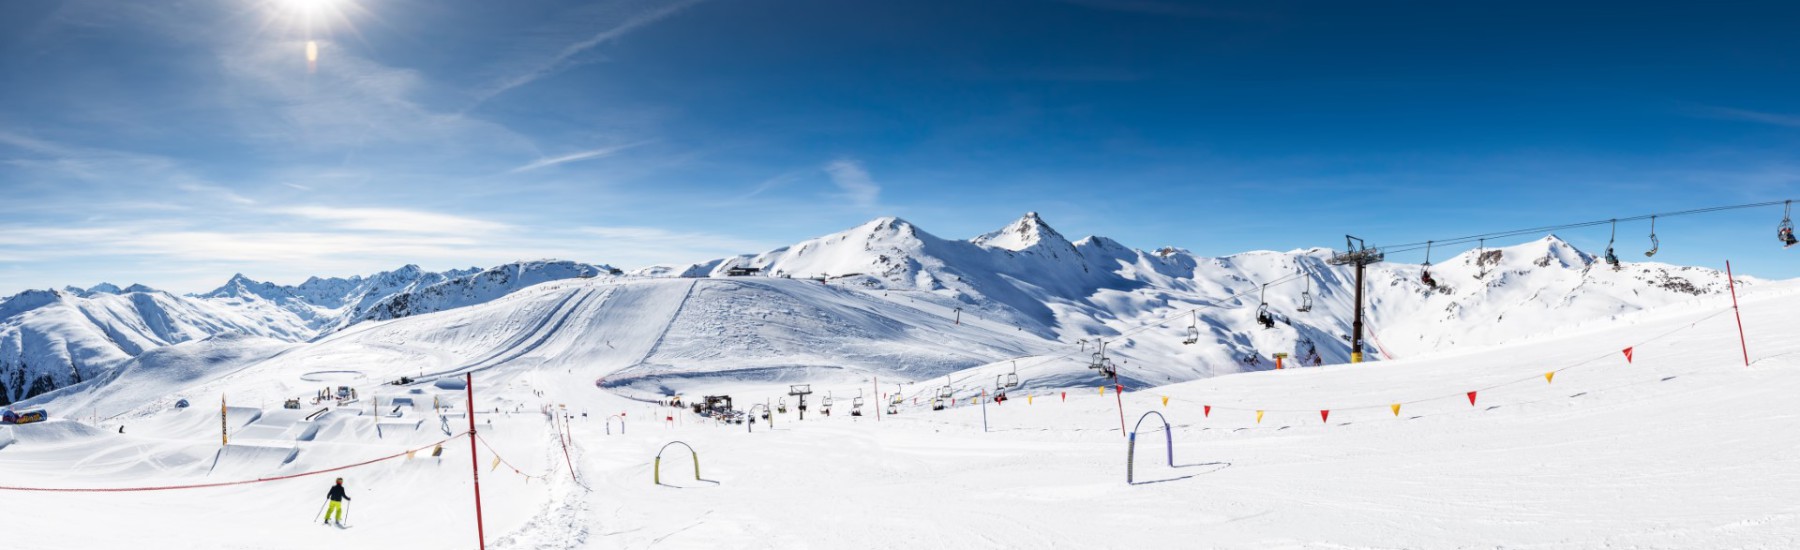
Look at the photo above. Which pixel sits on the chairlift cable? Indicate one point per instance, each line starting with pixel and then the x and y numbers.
pixel 1408 247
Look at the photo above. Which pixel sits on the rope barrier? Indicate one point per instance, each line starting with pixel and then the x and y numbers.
pixel 507 463
pixel 229 483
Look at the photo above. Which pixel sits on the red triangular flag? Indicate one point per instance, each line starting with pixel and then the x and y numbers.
pixel 1471 399
pixel 1208 409
pixel 1119 387
pixel 1627 355
pixel 1324 416
pixel 1065 396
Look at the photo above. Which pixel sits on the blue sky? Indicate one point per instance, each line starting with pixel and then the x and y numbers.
pixel 175 143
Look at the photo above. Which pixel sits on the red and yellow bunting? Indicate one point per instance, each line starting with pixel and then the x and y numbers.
pixel 1396 408
pixel 1548 376
pixel 1471 399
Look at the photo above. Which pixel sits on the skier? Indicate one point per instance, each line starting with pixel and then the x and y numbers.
pixel 335 495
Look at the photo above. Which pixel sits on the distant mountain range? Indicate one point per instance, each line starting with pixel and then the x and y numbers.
pixel 1045 290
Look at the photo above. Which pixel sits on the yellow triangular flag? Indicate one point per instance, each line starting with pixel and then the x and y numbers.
pixel 1165 401
pixel 496 465
pixel 1548 376
pixel 1396 408
pixel 409 455
pixel 1027 400
pixel 1102 390
pixel 1258 417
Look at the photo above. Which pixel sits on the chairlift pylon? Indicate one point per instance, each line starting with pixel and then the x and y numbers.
pixel 1785 231
pixel 1654 243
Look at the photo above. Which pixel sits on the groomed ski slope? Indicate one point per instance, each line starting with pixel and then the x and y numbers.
pixel 1684 447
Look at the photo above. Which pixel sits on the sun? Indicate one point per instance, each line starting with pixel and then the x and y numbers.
pixel 308 8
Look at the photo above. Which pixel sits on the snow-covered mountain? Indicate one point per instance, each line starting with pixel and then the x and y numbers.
pixel 477 288
pixel 1022 290
pixel 50 339
pixel 1029 276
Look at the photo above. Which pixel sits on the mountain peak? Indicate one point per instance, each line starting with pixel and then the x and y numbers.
pixel 1026 232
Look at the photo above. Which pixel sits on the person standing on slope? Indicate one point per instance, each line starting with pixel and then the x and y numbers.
pixel 335 506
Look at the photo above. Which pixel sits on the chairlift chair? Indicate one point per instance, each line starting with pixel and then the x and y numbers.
pixel 781 406
pixel 1425 274
pixel 1193 330
pixel 1262 308
pixel 1012 379
pixel 1305 295
pixel 1654 243
pixel 1611 258
pixel 1785 231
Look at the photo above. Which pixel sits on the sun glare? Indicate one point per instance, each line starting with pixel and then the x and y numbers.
pixel 309 20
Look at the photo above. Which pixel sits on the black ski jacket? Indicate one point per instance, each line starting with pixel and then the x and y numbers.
pixel 336 493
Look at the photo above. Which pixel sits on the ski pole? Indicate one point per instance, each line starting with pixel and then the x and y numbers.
pixel 346 518
pixel 321 512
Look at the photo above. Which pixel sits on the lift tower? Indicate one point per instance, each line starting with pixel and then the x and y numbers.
pixel 1359 255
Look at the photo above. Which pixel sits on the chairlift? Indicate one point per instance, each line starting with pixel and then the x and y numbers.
pixel 1193 330
pixel 1654 243
pixel 1262 308
pixel 1785 231
pixel 1305 295
pixel 856 406
pixel 1425 274
pixel 1612 258
pixel 1012 379
pixel 937 403
pixel 781 406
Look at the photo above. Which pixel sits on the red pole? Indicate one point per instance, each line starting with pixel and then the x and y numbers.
pixel 475 463
pixel 1732 282
pixel 878 400
pixel 1119 389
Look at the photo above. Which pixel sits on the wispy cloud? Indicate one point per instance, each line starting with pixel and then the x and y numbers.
pixel 1729 113
pixel 854 181
pixel 575 157
pixel 565 58
pixel 216 191
pixel 395 220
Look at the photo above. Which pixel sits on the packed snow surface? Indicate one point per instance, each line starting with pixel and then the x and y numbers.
pixel 1682 446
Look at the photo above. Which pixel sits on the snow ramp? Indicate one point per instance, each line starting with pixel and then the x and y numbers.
pixel 251 460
